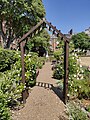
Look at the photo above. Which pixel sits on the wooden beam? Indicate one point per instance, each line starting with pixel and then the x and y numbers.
pixel 58 31
pixel 66 71
pixel 43 22
pixel 31 31
pixel 53 31
pixel 22 44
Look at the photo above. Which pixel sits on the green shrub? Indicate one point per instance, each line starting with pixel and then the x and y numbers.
pixel 30 69
pixel 32 62
pixel 4 110
pixel 6 59
pixel 75 112
pixel 75 70
pixel 87 72
pixel 79 88
pixel 59 71
pixel 40 62
pixel 11 86
pixel 51 57
pixel 58 54
pixel 88 108
pixel 79 77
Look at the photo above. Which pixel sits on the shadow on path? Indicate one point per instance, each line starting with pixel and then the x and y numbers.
pixel 56 90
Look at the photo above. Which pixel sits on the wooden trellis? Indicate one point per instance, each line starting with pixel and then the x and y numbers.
pixel 35 30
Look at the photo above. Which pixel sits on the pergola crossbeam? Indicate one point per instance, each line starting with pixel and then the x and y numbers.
pixel 31 31
pixel 57 31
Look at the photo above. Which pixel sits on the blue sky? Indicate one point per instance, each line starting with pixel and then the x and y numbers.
pixel 68 14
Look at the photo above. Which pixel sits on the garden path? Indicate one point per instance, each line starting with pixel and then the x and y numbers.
pixel 44 101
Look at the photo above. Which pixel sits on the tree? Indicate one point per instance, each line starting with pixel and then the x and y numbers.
pixel 81 41
pixel 39 43
pixel 17 17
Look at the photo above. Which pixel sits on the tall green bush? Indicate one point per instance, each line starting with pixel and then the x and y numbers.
pixel 30 69
pixel 79 77
pixel 75 70
pixel 4 110
pixel 58 54
pixel 59 71
pixel 11 86
pixel 75 112
pixel 6 59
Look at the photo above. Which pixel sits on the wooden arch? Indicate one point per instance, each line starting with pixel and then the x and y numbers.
pixel 22 41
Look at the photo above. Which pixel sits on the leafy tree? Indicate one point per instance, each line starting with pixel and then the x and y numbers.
pixel 39 43
pixel 17 17
pixel 81 41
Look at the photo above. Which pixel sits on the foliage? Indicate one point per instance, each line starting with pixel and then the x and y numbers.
pixel 75 70
pixel 41 62
pixel 79 88
pixel 11 86
pixel 18 17
pixel 6 59
pixel 30 66
pixel 79 77
pixel 86 72
pixel 10 82
pixel 39 43
pixel 75 112
pixel 59 71
pixel 88 108
pixel 81 41
pixel 59 67
pixel 58 54
pixel 12 79
pixel 4 110
pixel 79 83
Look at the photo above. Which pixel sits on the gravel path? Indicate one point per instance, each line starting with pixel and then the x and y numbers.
pixel 85 61
pixel 43 103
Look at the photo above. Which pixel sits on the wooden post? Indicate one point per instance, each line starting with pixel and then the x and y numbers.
pixel 66 70
pixel 54 45
pixel 23 70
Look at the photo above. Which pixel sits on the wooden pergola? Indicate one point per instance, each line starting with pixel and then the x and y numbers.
pixel 35 30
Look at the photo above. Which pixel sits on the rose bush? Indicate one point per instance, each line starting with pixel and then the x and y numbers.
pixel 11 86
pixel 79 76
